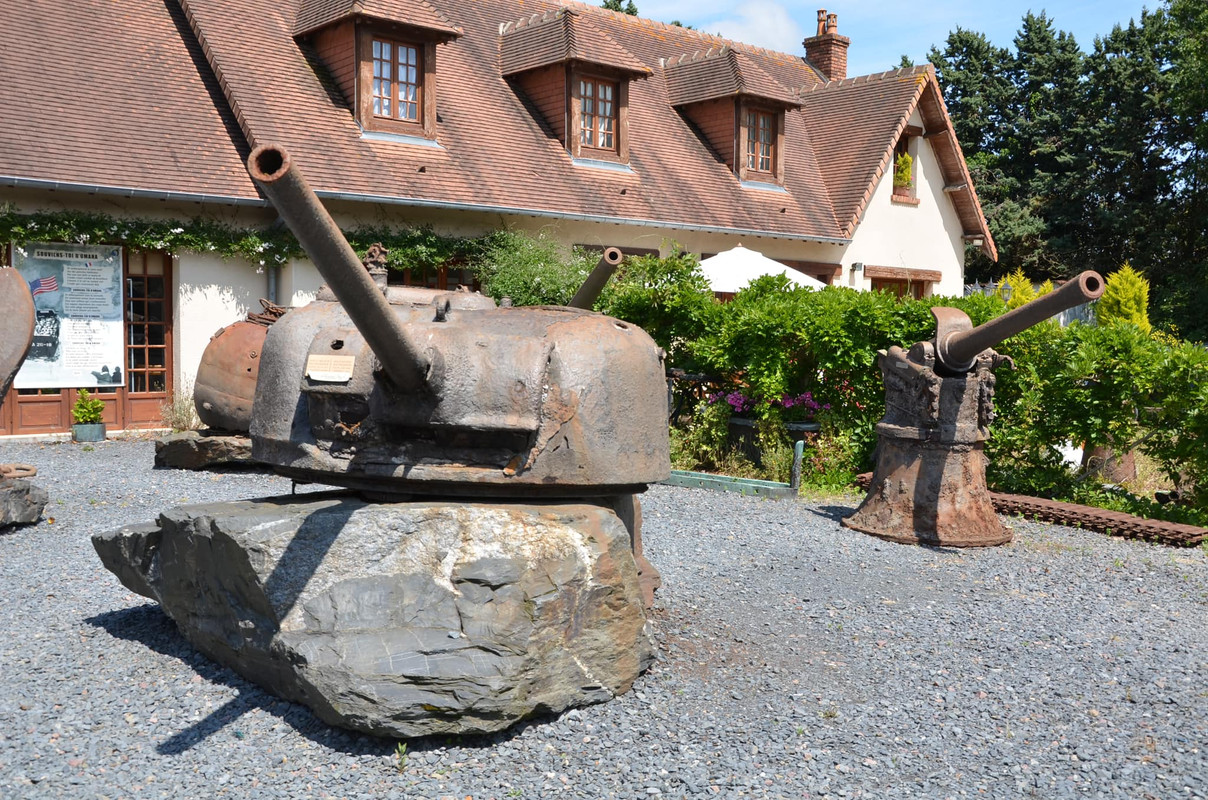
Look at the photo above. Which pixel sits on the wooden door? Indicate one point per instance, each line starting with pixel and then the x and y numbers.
pixel 148 383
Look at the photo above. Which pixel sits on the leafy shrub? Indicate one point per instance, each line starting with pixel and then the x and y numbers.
pixel 775 343
pixel 1017 288
pixel 1177 419
pixel 903 167
pixel 668 297
pixel 776 340
pixel 87 409
pixel 532 271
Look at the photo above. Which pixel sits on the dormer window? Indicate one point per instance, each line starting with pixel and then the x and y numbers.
pixel 737 107
pixel 397 80
pixel 761 142
pixel 598 114
pixel 577 78
pixel 384 63
pixel 395 83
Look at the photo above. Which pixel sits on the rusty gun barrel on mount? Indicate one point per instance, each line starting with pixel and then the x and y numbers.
pixel 300 208
pixel 958 343
pixel 590 291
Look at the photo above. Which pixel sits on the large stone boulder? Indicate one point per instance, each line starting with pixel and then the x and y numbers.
pixel 401 619
pixel 21 502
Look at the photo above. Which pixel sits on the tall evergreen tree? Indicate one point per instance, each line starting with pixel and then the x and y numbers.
pixel 1181 290
pixel 1130 174
pixel 1092 160
pixel 977 89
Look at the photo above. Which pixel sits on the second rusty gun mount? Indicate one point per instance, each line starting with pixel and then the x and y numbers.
pixel 409 391
pixel 929 484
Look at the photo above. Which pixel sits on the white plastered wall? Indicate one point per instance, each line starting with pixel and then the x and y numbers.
pixel 927 236
pixel 210 294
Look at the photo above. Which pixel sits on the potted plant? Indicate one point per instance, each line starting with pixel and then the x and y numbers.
pixel 903 175
pixel 86 418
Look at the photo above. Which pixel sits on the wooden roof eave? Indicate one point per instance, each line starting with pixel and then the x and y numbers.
pixel 943 134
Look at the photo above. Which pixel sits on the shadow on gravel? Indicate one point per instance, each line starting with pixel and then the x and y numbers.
pixel 149 626
pixel 833 513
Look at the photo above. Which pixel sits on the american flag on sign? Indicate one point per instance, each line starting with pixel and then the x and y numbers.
pixel 42 285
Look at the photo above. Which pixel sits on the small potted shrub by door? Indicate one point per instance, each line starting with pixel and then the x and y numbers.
pixel 86 418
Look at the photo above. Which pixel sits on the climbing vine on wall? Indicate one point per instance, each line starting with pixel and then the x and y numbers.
pixel 410 248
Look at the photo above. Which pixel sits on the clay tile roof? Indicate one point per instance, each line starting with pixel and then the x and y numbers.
pixel 316 14
pixel 168 96
pixel 559 36
pixel 856 156
pixel 696 77
pixel 116 96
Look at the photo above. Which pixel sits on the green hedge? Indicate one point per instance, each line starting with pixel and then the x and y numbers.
pixel 1114 385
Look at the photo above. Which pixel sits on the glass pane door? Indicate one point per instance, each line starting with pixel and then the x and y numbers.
pixel 146 324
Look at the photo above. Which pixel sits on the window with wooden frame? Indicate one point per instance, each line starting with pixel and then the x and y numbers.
pixel 397 77
pixel 760 142
pixel 598 113
pixel 395 82
pixel 901 288
pixel 598 117
pixel 904 168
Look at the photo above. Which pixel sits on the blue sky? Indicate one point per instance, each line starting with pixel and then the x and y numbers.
pixel 882 32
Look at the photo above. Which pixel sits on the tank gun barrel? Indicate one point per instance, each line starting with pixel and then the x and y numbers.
pixel 590 291
pixel 957 345
pixel 283 184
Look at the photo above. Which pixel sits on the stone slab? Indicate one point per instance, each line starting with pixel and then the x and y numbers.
pixel 401 619
pixel 199 450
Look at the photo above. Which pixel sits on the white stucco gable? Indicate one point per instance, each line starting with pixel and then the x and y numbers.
pixel 924 234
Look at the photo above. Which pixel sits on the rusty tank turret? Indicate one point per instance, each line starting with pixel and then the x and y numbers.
pixel 410 391
pixel 929 484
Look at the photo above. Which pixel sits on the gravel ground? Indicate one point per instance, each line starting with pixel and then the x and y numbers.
pixel 798 659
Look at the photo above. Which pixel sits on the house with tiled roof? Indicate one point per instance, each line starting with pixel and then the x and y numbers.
pixel 594 127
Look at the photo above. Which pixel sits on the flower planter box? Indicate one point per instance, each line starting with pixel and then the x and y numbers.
pixel 744 438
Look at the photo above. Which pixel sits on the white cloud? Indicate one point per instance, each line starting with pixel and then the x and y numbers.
pixel 761 23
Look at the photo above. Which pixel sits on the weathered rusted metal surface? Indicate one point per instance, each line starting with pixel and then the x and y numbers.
pixel 590 291
pixel 957 342
pixel 424 392
pixel 401 357
pixel 1114 523
pixel 929 485
pixel 226 377
pixel 17 314
pixel 225 385
pixel 8 471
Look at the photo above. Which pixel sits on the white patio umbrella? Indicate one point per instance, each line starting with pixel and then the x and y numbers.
pixel 733 269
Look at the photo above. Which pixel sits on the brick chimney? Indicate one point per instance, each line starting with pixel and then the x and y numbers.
pixel 827 50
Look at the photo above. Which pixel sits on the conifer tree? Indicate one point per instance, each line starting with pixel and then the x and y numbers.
pixel 1125 299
